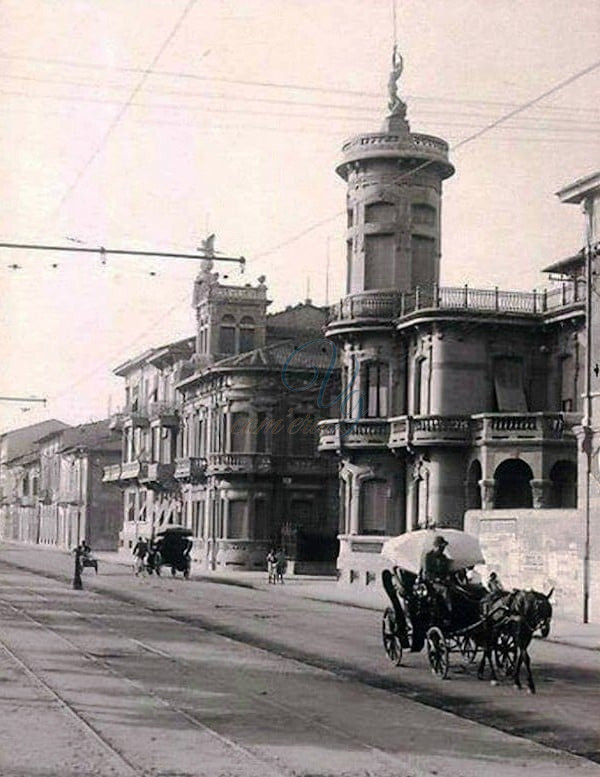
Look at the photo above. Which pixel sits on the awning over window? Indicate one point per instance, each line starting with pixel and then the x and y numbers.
pixel 508 384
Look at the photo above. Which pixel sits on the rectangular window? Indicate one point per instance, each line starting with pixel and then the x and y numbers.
pixel 379 253
pixel 508 385
pixel 130 505
pixel 424 261
pixel 240 433
pixel 261 433
pixel 374 502
pixel 261 529
pixel 237 519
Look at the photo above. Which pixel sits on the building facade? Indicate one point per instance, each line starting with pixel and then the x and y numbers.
pixel 235 459
pixel 55 493
pixel 462 398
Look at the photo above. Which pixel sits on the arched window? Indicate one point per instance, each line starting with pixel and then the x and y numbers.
pixel 246 334
pixel 227 335
pixel 513 486
pixel 472 486
pixel 564 484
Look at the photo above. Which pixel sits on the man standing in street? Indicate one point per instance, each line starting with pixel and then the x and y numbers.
pixel 140 551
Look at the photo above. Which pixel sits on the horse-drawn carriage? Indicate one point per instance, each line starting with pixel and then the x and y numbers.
pixel 468 621
pixel 172 549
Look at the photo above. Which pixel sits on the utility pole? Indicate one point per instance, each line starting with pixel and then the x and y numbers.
pixel 587 410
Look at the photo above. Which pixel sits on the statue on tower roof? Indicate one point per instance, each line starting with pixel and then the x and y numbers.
pixel 395 105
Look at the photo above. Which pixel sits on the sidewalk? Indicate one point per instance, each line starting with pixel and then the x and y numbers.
pixel 327 589
pixel 323 589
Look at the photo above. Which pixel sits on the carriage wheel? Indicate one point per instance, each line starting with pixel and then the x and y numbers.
pixel 468 648
pixel 505 653
pixel 391 638
pixel 437 652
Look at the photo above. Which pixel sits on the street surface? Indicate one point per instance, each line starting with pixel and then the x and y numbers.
pixel 163 677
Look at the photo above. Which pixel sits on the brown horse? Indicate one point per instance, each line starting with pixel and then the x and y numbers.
pixel 517 615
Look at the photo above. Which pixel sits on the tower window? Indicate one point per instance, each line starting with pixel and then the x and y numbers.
pixel 227 335
pixel 378 212
pixel 423 214
pixel 246 334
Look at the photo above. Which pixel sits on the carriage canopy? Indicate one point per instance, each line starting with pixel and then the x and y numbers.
pixel 407 550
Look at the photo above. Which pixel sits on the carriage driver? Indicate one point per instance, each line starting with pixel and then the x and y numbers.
pixel 435 570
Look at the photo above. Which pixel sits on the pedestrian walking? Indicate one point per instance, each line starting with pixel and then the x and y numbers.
pixel 272 566
pixel 140 551
pixel 280 565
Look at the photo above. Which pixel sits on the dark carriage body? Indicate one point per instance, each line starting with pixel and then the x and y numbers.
pixel 174 549
pixel 418 618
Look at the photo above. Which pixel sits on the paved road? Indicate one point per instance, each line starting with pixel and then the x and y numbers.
pixel 174 678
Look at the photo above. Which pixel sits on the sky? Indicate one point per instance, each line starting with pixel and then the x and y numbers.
pixel 147 124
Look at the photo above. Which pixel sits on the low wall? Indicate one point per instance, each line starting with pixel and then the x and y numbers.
pixel 539 549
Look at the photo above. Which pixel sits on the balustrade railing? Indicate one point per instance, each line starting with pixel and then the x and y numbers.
pixel 384 304
pixel 239 462
pixel 190 468
pixel 402 431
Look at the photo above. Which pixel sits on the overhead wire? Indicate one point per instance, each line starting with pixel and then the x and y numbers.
pixel 269 84
pixel 460 144
pixel 569 110
pixel 124 107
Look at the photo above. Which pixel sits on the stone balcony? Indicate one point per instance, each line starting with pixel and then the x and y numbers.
pixel 447 430
pixel 366 433
pixel 164 412
pixel 377 307
pixel 28 501
pixel 112 473
pixel 129 470
pixel 492 428
pixel 158 474
pixel 190 468
pixel 243 463
pixel 302 465
pixel 116 422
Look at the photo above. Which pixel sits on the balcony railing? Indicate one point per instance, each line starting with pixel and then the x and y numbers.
pixel 190 468
pixel 366 433
pixel 158 473
pixel 112 473
pixel 116 421
pixel 239 462
pixel 129 470
pixel 303 465
pixel 483 428
pixel 438 428
pixel 164 411
pixel 390 305
pixel 492 427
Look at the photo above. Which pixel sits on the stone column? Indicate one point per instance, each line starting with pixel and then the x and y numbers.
pixel 540 492
pixel 488 491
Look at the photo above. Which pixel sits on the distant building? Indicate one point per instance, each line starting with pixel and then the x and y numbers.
pixel 468 397
pixel 233 457
pixel 57 495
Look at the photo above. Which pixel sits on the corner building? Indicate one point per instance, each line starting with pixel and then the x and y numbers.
pixel 461 398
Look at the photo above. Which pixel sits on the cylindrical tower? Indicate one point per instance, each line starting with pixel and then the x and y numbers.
pixel 394 201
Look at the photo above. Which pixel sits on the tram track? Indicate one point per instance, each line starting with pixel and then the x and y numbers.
pixel 502 718
pixel 383 758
